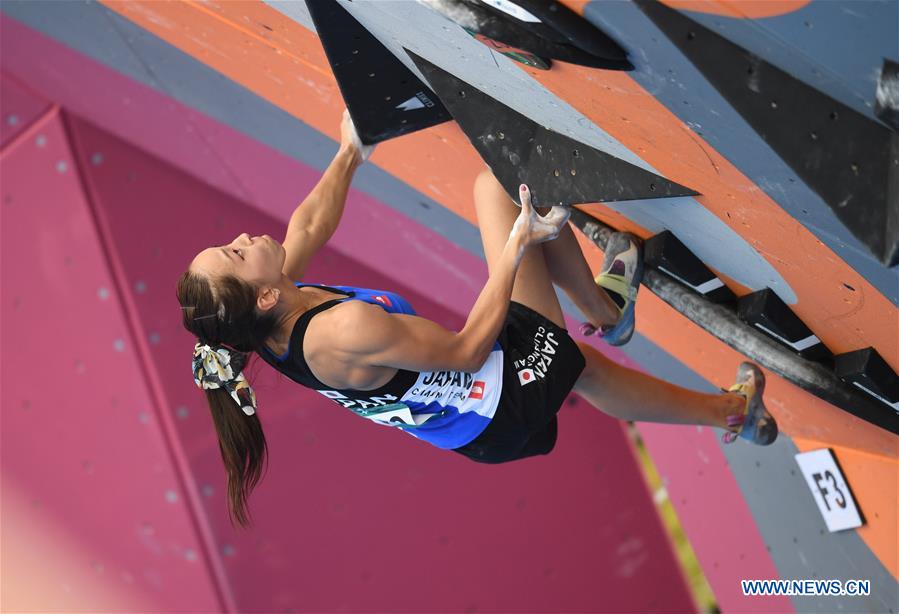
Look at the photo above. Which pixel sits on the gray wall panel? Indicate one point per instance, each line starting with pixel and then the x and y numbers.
pixel 666 74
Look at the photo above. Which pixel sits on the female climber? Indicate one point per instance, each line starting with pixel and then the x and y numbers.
pixel 489 392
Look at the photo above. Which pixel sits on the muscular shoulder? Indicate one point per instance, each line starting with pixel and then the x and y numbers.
pixel 335 346
pixel 361 334
pixel 346 326
pixel 351 316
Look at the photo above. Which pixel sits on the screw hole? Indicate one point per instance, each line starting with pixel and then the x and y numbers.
pixel 500 135
pixel 556 172
pixel 814 135
pixel 652 187
pixel 462 94
pixel 833 115
pixel 691 36
pixel 575 153
pixel 773 104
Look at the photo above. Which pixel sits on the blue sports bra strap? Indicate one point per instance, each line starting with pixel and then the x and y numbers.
pixel 330 289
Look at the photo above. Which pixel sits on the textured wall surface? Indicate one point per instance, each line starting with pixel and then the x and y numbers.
pixel 110 463
pixel 136 133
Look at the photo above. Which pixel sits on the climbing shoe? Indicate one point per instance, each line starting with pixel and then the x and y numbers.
pixel 620 276
pixel 755 424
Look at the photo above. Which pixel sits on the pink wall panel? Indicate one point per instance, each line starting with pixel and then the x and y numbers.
pixel 709 505
pixel 81 442
pixel 210 151
pixel 352 516
pixel 714 513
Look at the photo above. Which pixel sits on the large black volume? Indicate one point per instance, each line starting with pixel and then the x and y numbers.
pixel 851 161
pixel 558 169
pixel 385 98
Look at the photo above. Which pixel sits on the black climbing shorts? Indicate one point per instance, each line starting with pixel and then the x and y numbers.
pixel 541 363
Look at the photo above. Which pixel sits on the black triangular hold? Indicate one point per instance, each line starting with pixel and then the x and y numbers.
pixel 768 313
pixel 558 169
pixel 385 98
pixel 560 33
pixel 666 253
pixel 867 370
pixel 851 161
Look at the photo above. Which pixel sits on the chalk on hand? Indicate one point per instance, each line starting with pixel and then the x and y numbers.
pixel 364 150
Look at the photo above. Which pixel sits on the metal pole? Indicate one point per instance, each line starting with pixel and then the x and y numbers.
pixel 724 324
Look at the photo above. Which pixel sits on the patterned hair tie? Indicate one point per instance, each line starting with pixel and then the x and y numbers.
pixel 212 368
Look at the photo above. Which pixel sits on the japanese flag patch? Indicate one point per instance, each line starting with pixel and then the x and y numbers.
pixel 526 376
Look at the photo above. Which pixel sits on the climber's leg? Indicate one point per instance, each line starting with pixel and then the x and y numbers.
pixel 496 215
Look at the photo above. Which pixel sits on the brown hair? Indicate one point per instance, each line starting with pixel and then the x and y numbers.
pixel 222 312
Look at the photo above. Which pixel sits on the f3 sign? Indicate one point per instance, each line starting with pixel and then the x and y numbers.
pixel 829 489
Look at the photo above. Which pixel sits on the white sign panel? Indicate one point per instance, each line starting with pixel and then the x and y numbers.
pixel 829 490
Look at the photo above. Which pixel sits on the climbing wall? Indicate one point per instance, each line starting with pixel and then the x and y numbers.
pixel 729 127
pixel 113 489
